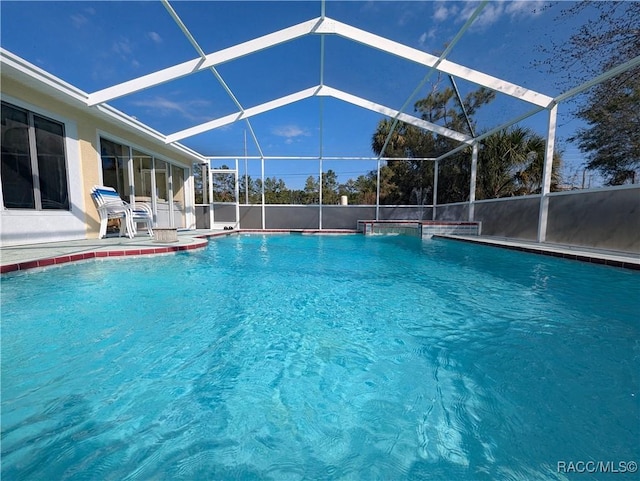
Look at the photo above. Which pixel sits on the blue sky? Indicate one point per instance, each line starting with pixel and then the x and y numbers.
pixel 94 45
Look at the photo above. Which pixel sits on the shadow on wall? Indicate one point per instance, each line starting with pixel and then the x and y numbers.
pixel 453 212
pixel 515 217
pixel 607 219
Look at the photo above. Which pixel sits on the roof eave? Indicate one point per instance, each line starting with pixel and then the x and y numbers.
pixel 15 67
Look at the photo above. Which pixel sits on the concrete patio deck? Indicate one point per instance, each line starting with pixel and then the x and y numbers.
pixel 23 257
pixel 612 258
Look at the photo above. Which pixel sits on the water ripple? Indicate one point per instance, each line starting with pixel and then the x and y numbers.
pixel 389 359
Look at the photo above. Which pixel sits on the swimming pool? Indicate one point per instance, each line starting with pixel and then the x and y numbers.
pixel 311 357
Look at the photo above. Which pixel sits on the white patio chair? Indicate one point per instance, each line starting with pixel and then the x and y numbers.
pixel 111 206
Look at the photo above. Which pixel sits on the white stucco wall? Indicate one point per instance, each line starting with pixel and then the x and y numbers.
pixel 26 226
pixel 28 87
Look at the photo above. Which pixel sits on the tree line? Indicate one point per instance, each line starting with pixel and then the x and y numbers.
pixel 359 191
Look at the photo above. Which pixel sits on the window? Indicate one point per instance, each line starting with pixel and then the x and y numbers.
pixel 34 167
pixel 162 181
pixel 115 158
pixel 142 169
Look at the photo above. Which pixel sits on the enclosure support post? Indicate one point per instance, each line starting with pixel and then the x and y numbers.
pixel 320 197
pixel 237 192
pixel 320 147
pixel 435 189
pixel 378 192
pixel 246 171
pixel 472 183
pixel 210 189
pixel 545 186
pixel 262 191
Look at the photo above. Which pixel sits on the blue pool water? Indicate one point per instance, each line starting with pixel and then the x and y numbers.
pixel 308 357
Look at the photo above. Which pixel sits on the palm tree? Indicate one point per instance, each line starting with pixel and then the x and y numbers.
pixel 511 163
pixel 443 107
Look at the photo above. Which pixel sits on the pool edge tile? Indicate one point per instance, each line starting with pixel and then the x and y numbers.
pixel 549 251
pixel 5 269
pixel 46 262
pixel 62 259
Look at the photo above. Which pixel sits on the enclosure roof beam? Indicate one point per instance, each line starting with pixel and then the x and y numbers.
pixel 201 63
pixel 245 114
pixel 330 26
pixel 313 157
pixel 196 46
pixel 634 62
pixel 198 49
pixel 462 107
pixel 323 26
pixel 419 87
pixel 389 112
pixel 323 91
pixel 493 131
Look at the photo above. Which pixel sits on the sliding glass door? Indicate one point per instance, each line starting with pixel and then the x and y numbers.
pixel 179 199
pixel 155 182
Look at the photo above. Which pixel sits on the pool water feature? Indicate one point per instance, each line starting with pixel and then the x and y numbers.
pixel 311 357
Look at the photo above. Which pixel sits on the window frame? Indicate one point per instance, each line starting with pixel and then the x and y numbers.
pixel 34 161
pixel 131 194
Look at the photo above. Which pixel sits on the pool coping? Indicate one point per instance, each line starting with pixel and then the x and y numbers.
pixel 625 260
pixel 99 253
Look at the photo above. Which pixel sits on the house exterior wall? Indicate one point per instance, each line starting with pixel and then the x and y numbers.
pixel 26 226
pixel 84 168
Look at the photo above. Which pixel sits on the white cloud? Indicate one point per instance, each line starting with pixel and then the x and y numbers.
pixel 122 46
pixel 415 10
pixel 155 37
pixel 165 107
pixel 442 13
pixel 370 6
pixel 289 132
pixel 489 15
pixel 521 8
pixel 494 11
pixel 78 20
pixel 428 35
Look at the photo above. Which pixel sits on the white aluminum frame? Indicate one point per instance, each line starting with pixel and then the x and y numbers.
pixel 324 26
pixel 236 191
